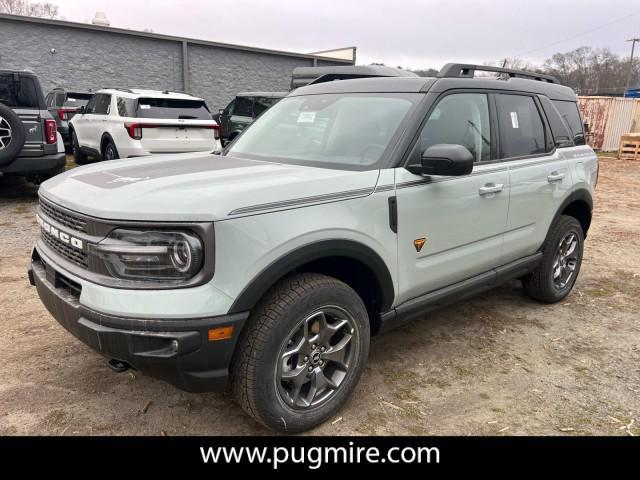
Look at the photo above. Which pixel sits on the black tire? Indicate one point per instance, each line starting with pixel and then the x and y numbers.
pixel 12 135
pixel 255 366
pixel 541 284
pixel 109 151
pixel 79 156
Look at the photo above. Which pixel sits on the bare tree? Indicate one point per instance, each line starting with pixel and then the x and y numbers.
pixel 22 7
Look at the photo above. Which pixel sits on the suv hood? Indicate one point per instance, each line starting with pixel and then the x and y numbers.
pixel 197 187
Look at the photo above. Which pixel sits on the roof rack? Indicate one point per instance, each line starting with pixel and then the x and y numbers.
pixel 176 91
pixel 460 70
pixel 118 88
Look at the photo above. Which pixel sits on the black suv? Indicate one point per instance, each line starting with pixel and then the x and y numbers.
pixel 28 132
pixel 63 105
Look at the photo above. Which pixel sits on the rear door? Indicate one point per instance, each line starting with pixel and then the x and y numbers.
pixel 451 228
pixel 171 125
pixel 538 173
pixel 20 93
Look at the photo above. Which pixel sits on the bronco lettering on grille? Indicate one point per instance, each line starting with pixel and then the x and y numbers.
pixel 64 237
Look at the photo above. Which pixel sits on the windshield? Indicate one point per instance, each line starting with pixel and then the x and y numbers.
pixel 346 130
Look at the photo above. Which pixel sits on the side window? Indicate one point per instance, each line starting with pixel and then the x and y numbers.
pixel 231 107
pixel 243 107
pixel 263 103
pixel 126 107
pixel 461 119
pixel 571 116
pixel 521 128
pixel 49 99
pixel 560 132
pixel 59 99
pixel 91 105
pixel 103 104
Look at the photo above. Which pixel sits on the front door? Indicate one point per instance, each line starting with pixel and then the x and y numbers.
pixel 451 228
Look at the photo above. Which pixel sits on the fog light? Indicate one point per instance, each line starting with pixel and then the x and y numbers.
pixel 220 333
pixel 174 345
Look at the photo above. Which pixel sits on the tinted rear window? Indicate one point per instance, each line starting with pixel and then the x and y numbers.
pixel 173 109
pixel 22 93
pixel 571 115
pixel 77 100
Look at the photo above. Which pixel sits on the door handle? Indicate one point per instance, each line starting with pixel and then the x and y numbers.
pixel 555 177
pixel 490 188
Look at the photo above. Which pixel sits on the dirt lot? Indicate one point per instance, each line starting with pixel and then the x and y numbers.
pixel 499 364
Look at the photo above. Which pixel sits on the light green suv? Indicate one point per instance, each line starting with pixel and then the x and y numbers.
pixel 346 209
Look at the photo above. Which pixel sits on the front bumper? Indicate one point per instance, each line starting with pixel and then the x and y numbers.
pixel 177 351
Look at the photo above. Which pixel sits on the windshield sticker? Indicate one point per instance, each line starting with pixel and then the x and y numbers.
pixel 69 99
pixel 307 117
pixel 514 120
pixel 144 106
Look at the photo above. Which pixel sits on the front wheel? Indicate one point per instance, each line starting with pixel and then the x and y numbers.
pixel 554 278
pixel 302 352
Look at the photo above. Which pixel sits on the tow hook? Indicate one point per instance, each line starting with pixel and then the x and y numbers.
pixel 118 366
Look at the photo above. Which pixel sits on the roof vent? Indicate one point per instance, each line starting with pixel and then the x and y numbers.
pixel 101 19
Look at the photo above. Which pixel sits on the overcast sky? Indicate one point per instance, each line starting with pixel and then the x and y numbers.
pixel 409 33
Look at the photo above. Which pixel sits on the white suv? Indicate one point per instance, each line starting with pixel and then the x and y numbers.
pixel 122 123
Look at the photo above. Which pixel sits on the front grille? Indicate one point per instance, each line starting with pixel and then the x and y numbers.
pixel 63 217
pixel 72 254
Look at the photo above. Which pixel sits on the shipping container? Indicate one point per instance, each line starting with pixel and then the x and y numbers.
pixel 619 122
pixel 609 118
pixel 595 111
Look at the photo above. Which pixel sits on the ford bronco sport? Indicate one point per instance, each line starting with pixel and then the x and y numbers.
pixel 348 208
pixel 28 133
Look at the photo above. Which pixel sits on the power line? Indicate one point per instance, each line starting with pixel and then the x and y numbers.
pixel 618 20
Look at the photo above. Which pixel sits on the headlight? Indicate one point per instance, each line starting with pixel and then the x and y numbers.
pixel 151 255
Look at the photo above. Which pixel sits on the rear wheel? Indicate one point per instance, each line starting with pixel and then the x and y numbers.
pixel 302 352
pixel 109 151
pixel 562 256
pixel 79 156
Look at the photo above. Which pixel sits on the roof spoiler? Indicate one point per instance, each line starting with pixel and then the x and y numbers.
pixel 460 70
pixel 310 75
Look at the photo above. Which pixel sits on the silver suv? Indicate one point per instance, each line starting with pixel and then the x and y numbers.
pixel 347 209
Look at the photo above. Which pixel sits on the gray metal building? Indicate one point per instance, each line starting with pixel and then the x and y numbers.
pixel 83 56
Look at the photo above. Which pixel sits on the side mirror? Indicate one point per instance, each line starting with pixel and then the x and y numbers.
pixel 82 110
pixel 444 159
pixel 586 127
pixel 223 111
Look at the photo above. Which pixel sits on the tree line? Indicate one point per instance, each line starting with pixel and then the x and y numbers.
pixel 587 70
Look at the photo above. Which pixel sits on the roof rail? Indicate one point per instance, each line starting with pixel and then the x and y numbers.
pixel 177 91
pixel 118 88
pixel 461 70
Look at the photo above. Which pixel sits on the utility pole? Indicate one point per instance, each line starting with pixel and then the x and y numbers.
pixel 633 46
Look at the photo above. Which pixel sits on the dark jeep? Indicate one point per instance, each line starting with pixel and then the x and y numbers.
pixel 28 132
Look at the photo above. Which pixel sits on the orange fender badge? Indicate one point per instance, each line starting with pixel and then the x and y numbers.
pixel 419 243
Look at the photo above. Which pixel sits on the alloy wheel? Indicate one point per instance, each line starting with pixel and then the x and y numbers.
pixel 5 133
pixel 315 358
pixel 565 260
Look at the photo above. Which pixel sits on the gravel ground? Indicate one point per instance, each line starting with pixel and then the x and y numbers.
pixel 498 364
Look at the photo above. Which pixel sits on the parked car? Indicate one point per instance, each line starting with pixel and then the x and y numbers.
pixel 63 105
pixel 28 134
pixel 345 210
pixel 243 110
pixel 122 123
